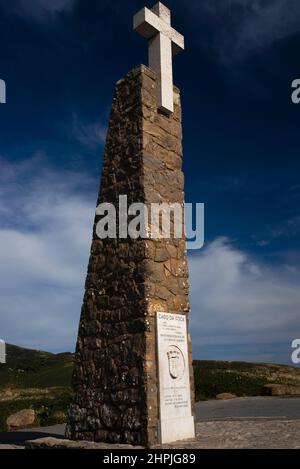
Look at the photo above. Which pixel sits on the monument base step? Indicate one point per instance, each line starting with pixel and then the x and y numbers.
pixel 177 429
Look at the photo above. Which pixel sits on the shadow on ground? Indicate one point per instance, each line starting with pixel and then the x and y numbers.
pixel 18 438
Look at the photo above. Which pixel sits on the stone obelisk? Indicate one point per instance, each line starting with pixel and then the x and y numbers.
pixel 133 378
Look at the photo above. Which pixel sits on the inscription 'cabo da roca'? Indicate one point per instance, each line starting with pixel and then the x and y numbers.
pixel 176 420
pixel 133 378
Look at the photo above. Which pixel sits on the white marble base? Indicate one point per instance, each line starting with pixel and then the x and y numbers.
pixel 172 430
pixel 176 420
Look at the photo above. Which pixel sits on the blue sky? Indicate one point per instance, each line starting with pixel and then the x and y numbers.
pixel 60 60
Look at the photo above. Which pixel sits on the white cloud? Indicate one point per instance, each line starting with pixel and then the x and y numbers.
pixel 90 135
pixel 236 300
pixel 45 233
pixel 46 220
pixel 241 26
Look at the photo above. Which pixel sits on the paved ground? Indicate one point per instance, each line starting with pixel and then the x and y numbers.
pixel 18 438
pixel 275 407
pixel 55 430
pixel 244 434
pixel 260 422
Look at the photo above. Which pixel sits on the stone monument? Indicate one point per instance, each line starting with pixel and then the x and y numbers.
pixel 133 377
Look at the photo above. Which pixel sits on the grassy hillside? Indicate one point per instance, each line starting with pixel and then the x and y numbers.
pixel 41 380
pixel 240 378
pixel 37 380
pixel 35 369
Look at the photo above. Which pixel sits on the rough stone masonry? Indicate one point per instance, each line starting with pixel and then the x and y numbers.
pixel 115 378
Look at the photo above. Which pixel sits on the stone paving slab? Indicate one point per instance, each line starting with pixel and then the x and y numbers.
pixel 223 434
pixel 244 434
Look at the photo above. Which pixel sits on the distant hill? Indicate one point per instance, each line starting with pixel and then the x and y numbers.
pixel 240 378
pixel 41 380
pixel 35 369
pixel 37 380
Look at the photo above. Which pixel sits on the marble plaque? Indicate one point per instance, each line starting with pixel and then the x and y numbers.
pixel 176 420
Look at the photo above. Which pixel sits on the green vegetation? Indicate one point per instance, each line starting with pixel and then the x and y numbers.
pixel 35 369
pixel 42 381
pixel 239 378
pixel 36 380
pixel 50 408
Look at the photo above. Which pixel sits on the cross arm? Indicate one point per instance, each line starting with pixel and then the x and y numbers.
pixel 148 24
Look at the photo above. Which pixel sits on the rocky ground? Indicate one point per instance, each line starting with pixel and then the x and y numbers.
pixel 230 434
pixel 255 423
pixel 244 434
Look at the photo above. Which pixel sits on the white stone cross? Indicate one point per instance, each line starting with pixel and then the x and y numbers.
pixel 164 42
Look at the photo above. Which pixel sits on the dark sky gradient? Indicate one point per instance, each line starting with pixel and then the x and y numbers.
pixel 241 130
